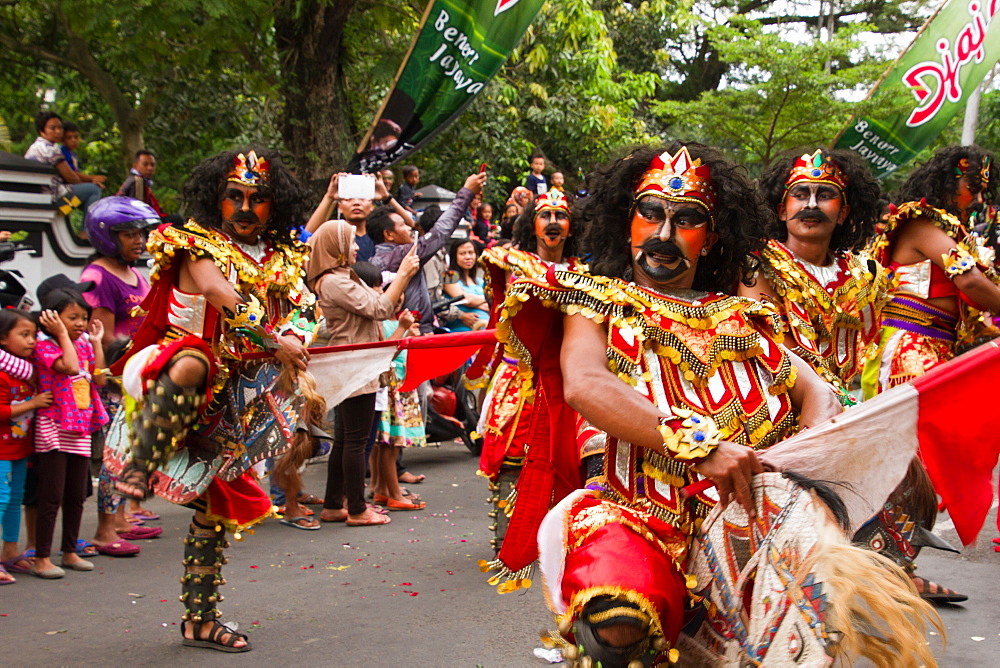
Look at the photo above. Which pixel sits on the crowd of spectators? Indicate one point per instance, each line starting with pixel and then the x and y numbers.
pixel 389 267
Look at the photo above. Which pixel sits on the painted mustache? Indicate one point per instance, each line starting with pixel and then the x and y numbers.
pixel 812 214
pixel 552 228
pixel 661 248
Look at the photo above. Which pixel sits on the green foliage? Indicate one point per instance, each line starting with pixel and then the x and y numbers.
pixel 779 94
pixel 563 92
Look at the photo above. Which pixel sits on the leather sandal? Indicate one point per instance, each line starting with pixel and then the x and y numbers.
pixel 214 640
pixel 935 593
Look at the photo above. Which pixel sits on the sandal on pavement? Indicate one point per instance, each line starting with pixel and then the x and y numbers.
pixel 411 479
pixel 118 548
pixel 214 640
pixel 82 565
pixel 935 593
pixel 145 514
pixel 376 508
pixel 85 548
pixel 140 533
pixel 11 565
pixel 10 581
pixel 341 519
pixel 375 520
pixel 393 504
pixel 307 512
pixel 310 500
pixel 310 525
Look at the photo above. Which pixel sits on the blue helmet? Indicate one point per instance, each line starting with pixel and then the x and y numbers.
pixel 113 214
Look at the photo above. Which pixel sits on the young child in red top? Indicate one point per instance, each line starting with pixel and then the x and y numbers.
pixel 67 365
pixel 17 406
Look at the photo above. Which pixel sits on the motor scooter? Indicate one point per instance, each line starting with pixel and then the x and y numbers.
pixel 13 293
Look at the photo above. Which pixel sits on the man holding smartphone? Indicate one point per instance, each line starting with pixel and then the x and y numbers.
pixel 393 239
pixel 354 205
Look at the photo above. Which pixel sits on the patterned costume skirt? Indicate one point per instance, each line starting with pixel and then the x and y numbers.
pixel 250 418
pixel 916 337
pixel 402 423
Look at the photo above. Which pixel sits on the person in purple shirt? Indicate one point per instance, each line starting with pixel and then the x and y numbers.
pixel 116 226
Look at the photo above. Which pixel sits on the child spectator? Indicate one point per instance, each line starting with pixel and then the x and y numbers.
pixel 45 149
pixel 139 184
pixel 385 481
pixel 558 181
pixel 17 337
pixel 536 181
pixel 67 366
pixel 408 188
pixel 71 142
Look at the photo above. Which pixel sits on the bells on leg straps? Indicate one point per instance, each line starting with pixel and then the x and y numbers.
pixel 167 413
pixel 203 561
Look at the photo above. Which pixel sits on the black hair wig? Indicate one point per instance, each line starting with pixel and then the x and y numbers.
pixel 861 194
pixel 936 180
pixel 740 217
pixel 203 192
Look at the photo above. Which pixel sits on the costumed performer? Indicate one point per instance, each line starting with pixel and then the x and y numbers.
pixel 226 283
pixel 544 236
pixel 687 382
pixel 826 206
pixel 944 280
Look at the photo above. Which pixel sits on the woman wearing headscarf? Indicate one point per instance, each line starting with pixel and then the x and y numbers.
pixel 353 313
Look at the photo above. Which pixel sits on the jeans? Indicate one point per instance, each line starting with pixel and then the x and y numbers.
pixel 346 467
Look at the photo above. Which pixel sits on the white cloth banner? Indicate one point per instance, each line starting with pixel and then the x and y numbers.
pixel 340 374
pixel 867 449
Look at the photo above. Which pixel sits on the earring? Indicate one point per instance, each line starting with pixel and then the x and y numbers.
pixel 704 251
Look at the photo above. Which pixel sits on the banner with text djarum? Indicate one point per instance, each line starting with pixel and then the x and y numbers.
pixel 460 46
pixel 930 84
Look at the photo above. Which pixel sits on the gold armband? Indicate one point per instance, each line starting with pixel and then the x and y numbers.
pixel 687 436
pixel 958 261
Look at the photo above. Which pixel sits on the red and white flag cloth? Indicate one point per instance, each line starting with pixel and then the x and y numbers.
pixel 342 370
pixel 945 416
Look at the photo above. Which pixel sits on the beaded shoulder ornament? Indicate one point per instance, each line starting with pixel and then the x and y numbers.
pixel 699 335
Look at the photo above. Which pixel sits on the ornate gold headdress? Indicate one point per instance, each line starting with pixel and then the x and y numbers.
pixel 249 170
pixel 962 169
pixel 679 179
pixel 554 200
pixel 816 169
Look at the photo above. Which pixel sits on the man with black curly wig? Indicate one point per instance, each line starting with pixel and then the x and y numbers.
pixel 825 206
pixel 227 283
pixel 945 280
pixel 685 379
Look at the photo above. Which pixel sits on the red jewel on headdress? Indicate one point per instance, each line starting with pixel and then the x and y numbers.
pixel 678 178
pixel 249 170
pixel 816 169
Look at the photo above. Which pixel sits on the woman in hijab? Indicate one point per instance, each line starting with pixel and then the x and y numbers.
pixel 354 313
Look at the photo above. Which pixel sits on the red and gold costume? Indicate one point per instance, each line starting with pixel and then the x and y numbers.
pixel 833 312
pixel 232 433
pixel 917 335
pixel 503 429
pixel 707 358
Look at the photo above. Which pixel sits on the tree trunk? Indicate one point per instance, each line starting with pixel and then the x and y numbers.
pixel 315 125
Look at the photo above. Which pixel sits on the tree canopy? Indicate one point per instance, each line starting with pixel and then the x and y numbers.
pixel 187 78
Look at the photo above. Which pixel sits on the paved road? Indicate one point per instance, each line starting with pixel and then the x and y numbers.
pixel 405 594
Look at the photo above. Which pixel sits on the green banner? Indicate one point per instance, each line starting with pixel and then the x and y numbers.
pixel 460 46
pixel 931 82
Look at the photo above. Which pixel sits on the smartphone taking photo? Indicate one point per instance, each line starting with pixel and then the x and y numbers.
pixel 356 186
